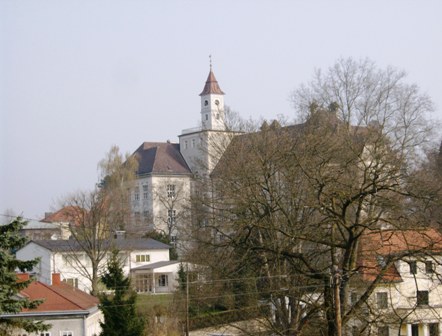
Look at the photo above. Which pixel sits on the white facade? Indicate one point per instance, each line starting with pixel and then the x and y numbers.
pixel 66 323
pixel 159 202
pixel 74 274
pixel 409 304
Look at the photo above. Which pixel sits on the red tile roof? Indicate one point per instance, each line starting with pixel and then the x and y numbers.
pixel 65 214
pixel 62 297
pixel 211 85
pixel 376 246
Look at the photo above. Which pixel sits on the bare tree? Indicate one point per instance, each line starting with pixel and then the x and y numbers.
pixel 96 215
pixel 288 206
pixel 118 174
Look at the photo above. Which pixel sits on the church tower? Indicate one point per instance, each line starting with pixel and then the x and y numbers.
pixel 202 146
pixel 212 105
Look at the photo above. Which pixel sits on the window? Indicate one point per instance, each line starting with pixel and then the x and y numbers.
pixel 193 143
pixel 207 116
pixel 171 217
pixel 415 330
pixel 137 215
pixel 67 333
pixel 353 298
pixel 145 191
pixel 171 191
pixel 72 281
pixel 382 300
pixel 145 214
pixel 413 267
pixel 142 257
pixel 429 268
pixel 163 280
pixel 206 102
pixel 137 194
pixel 422 298
pixel 383 331
pixel 434 329
pixel 46 333
pixel 217 116
pixel 186 144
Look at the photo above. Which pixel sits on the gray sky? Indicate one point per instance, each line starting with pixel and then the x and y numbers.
pixel 79 76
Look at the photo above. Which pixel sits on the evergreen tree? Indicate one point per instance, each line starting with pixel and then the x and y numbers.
pixel 10 303
pixel 120 317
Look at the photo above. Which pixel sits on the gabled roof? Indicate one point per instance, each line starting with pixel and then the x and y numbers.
pixel 377 246
pixel 65 214
pixel 211 86
pixel 161 158
pixel 60 297
pixel 69 245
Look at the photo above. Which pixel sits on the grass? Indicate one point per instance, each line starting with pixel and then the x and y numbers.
pixel 148 302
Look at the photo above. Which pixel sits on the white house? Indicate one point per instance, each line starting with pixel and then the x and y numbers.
pixel 407 301
pixel 69 311
pixel 70 261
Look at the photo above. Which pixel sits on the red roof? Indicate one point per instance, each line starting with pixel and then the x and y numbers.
pixel 65 214
pixel 377 246
pixel 211 85
pixel 60 297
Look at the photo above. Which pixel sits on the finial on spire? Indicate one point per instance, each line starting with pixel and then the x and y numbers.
pixel 210 61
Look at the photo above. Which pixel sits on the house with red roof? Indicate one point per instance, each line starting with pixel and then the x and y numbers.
pixel 69 311
pixel 404 268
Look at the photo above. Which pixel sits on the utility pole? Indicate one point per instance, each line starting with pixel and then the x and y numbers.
pixel 337 283
pixel 187 300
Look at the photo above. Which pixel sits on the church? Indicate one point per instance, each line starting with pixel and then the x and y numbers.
pixel 160 198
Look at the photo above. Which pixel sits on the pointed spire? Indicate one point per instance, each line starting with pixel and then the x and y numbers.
pixel 211 85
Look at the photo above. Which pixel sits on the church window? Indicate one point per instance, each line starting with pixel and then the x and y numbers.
pixel 145 191
pixel 137 194
pixel 171 191
pixel 171 217
pixel 217 102
pixel 207 117
pixel 217 116
pixel 206 102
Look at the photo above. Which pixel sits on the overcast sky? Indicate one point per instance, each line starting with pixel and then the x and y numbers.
pixel 79 76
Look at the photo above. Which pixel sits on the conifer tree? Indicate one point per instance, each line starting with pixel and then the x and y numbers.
pixel 10 287
pixel 120 317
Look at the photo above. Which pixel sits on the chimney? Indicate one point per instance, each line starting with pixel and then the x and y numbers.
pixel 56 280
pixel 120 234
pixel 21 277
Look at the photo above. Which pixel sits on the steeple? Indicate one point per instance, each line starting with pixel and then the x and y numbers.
pixel 211 86
pixel 212 104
